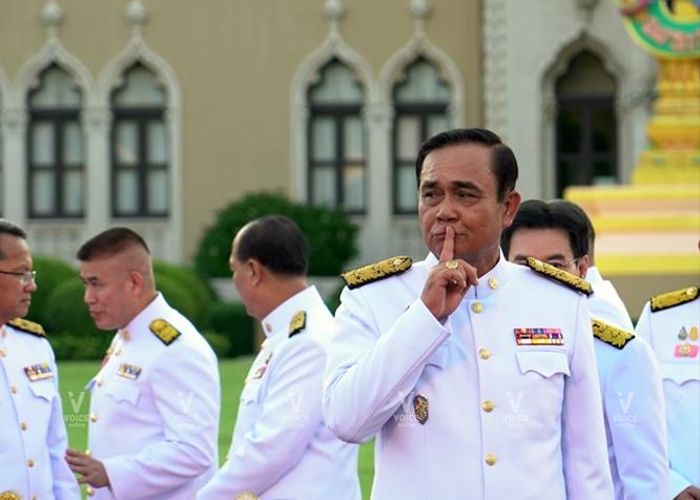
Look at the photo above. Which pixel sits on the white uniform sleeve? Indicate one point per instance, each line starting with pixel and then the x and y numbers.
pixel 637 422
pixel 586 469
pixel 289 418
pixel 370 372
pixel 185 385
pixel 678 482
pixel 65 485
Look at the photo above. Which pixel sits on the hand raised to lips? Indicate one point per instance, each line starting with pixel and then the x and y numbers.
pixel 448 281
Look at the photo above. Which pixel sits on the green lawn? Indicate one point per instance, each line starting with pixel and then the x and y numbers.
pixel 75 374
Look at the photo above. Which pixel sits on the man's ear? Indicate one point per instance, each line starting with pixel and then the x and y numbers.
pixel 511 205
pixel 256 270
pixel 584 263
pixel 135 282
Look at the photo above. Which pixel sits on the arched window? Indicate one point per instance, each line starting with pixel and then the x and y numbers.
pixel 55 148
pixel 336 140
pixel 586 124
pixel 421 102
pixel 140 147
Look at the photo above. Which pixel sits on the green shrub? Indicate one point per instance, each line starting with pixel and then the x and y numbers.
pixel 66 313
pixel 232 321
pixel 79 346
pixel 219 342
pixel 330 233
pixel 178 297
pixel 190 282
pixel 50 273
pixel 333 301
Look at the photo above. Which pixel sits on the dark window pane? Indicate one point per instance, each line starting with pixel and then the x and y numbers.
pixel 569 130
pixel 603 130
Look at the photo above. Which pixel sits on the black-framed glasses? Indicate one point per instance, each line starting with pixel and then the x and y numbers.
pixel 25 277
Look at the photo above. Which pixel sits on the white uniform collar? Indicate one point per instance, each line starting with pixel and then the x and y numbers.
pixel 593 276
pixel 278 320
pixel 489 283
pixel 140 322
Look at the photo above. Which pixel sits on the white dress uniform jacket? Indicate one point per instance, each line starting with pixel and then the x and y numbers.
pixel 281 448
pixel 605 303
pixel 633 405
pixel 32 431
pixel 673 335
pixel 462 410
pixel 154 418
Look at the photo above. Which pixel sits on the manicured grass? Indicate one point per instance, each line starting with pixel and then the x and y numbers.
pixel 74 375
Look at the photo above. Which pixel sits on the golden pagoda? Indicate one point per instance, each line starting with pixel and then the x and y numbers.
pixel 651 228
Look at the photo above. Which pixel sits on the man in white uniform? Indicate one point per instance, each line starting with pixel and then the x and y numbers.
pixel 32 432
pixel 670 323
pixel 154 409
pixel 630 381
pixel 605 302
pixel 476 375
pixel 281 448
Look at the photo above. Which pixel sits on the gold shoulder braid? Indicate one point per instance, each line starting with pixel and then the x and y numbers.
pixel 27 326
pixel 166 332
pixel 616 337
pixel 560 276
pixel 298 323
pixel 671 299
pixel 377 271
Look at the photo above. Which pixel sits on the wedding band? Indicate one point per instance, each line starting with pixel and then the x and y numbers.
pixel 452 264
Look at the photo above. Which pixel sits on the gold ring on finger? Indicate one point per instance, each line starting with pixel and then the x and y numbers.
pixel 452 264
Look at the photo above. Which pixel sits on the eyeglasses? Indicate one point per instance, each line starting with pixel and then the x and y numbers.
pixel 26 277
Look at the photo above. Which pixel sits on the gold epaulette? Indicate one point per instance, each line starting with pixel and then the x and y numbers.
pixel 298 323
pixel 166 332
pixel 672 299
pixel 27 326
pixel 377 271
pixel 560 276
pixel 616 337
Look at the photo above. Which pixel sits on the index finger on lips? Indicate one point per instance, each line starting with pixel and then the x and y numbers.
pixel 448 245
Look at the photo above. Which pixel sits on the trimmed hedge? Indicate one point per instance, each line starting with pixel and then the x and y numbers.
pixel 330 233
pixel 187 279
pixel 231 320
pixel 50 273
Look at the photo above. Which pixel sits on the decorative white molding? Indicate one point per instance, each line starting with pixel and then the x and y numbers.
pixel 495 61
pixel 420 46
pixel 552 69
pixel 170 240
pixel 52 17
pixel 586 9
pixel 307 74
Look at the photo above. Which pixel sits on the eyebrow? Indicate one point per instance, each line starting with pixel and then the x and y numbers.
pixel 555 256
pixel 454 184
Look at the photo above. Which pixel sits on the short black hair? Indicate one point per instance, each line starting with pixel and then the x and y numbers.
pixel 538 214
pixel 575 211
pixel 277 243
pixel 12 229
pixel 503 163
pixel 110 243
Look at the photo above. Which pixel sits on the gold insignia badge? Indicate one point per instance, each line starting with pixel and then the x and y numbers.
pixel 27 326
pixel 672 299
pixel 10 495
pixel 166 332
pixel 247 496
pixel 616 337
pixel 298 323
pixel 420 408
pixel 377 271
pixel 559 276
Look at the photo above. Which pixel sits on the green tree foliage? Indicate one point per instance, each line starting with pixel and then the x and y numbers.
pixel 330 233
